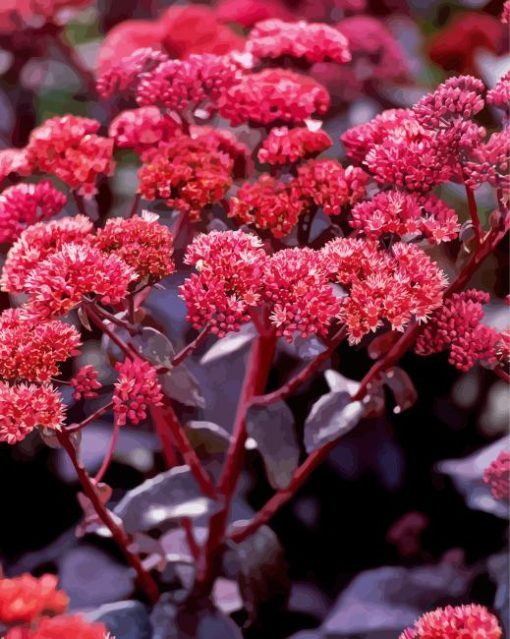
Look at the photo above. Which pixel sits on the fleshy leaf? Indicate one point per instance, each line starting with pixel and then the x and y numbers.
pixel 333 415
pixel 181 385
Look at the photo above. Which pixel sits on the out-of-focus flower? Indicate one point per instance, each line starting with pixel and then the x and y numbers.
pixel 60 282
pixel 143 128
pixel 249 12
pixel 287 146
pixel 141 242
pixel 68 147
pixel 394 286
pixel 25 598
pixel 469 622
pixel 61 627
pixel 85 383
pixel 17 15
pixel 31 350
pixel 135 391
pixel 179 84
pixel 490 162
pixel 499 96
pixel 327 184
pixel 272 96
pixel 314 42
pixel 301 300
pixel 25 204
pixel 269 204
pixel 401 213
pixel 505 14
pixel 24 407
pixel 13 161
pixel 122 74
pixel 455 46
pixel 228 281
pixel 456 327
pixel 497 475
pixel 36 243
pixel 187 174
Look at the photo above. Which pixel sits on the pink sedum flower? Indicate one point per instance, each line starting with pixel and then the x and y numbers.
pixel 490 162
pixel 505 14
pixel 69 148
pixel 313 42
pixel 142 129
pixel 62 627
pixel 467 622
pixel 499 96
pixel 497 475
pixel 135 391
pixel 25 598
pixel 25 204
pixel 31 350
pixel 14 161
pixel 60 282
pixel 224 141
pixel 121 76
pixel 142 242
pixel 24 407
pixel 287 146
pixel 37 243
pixel 85 383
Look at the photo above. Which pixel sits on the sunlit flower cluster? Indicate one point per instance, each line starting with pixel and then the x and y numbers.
pixel 469 622
pixel 135 391
pixel 122 76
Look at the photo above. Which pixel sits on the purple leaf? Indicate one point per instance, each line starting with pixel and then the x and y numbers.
pixel 181 385
pixel 124 619
pixel 157 348
pixel 333 415
pixel 402 387
pixel 231 343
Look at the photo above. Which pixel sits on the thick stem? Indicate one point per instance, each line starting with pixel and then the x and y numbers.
pixel 165 439
pixel 145 581
pixel 473 212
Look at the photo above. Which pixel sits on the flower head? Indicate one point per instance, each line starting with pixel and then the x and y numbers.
pixel 505 14
pixel 31 350
pixel 62 627
pixel 490 162
pixel 24 407
pixel 469 622
pixel 39 241
pixel 141 242
pixel 249 12
pixel 142 129
pixel 25 204
pixel 268 204
pixel 13 161
pixel 69 148
pixel 314 42
pixel 497 475
pixel 287 146
pixel 122 76
pixel 59 283
pixel 85 383
pixel 136 390
pixel 499 96
pixel 187 174
pixel 224 141
pixel 25 598
pixel 274 95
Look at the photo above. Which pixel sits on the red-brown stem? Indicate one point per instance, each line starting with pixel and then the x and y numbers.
pixel 473 212
pixel 165 418
pixel 300 378
pixel 109 454
pixel 96 319
pixel 503 374
pixel 187 526
pixel 165 439
pixel 393 355
pixel 134 206
pixel 191 347
pixel 95 415
pixel 257 371
pixel 126 325
pixel 144 579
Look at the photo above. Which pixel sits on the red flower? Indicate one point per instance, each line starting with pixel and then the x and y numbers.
pixel 469 622
pixel 25 204
pixel 13 161
pixel 25 407
pixel 122 73
pixel 287 146
pixel 274 95
pixel 499 96
pixel 39 241
pixel 248 12
pixel 61 627
pixel 136 389
pixel 505 14
pixel 490 162
pixel 32 350
pixel 141 242
pixel 142 129
pixel 497 475
pixel 225 141
pixel 85 383
pixel 25 598
pixel 314 42
pixel 69 148
pixel 268 204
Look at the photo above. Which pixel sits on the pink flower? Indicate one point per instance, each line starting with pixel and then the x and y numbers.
pixel 400 213
pixel 228 281
pixel 122 74
pixel 187 174
pixel 499 96
pixel 39 241
pixel 13 161
pixel 68 147
pixel 248 12
pixel 505 14
pixel 497 475
pixel 136 390
pixel 287 146
pixel 61 627
pixel 25 598
pixel 329 186
pixel 31 350
pixel 85 383
pixel 25 407
pixel 469 622
pixel 224 141
pixel 142 129
pixel 60 282
pixel 490 162
pixel 314 42
pixel 298 292
pixel 141 242
pixel 25 204
pixel 274 95
pixel 268 204
pixel 456 326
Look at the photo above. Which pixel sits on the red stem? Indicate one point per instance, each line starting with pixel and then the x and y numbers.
pixel 145 580
pixel 503 374
pixel 109 455
pixel 134 206
pixel 187 526
pixel 473 212
pixel 96 319
pixel 165 439
pixel 95 415
pixel 191 347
